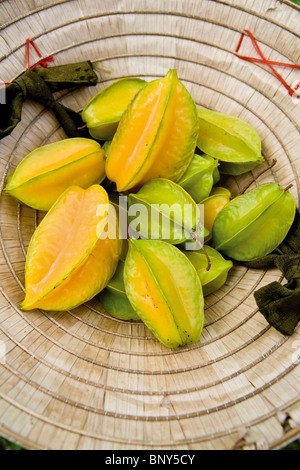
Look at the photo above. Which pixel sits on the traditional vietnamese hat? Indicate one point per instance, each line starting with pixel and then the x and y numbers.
pixel 82 379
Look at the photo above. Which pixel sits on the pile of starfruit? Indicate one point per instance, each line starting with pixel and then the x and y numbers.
pixel 137 214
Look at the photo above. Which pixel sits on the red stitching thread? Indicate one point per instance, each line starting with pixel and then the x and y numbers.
pixel 264 60
pixel 43 62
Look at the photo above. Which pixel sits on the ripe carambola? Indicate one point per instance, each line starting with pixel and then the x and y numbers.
pixel 69 259
pixel 253 225
pixel 156 137
pixel 213 204
pixel 165 291
pixel 48 171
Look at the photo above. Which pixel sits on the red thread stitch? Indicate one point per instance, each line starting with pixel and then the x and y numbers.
pixel 240 42
pixel 42 62
pixel 27 53
pixel 264 60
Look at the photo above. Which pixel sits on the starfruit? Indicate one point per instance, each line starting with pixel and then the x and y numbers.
pixel 166 212
pixel 253 225
pixel 216 277
pixel 70 258
pixel 198 180
pixel 213 204
pixel 232 141
pixel 48 171
pixel 114 299
pixel 156 137
pixel 103 113
pixel 164 289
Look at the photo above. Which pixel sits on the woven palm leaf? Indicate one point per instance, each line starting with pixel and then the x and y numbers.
pixel 82 379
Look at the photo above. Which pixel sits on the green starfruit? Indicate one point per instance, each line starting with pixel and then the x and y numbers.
pixel 114 299
pixel 216 277
pixel 199 178
pixel 166 212
pixel 254 224
pixel 232 141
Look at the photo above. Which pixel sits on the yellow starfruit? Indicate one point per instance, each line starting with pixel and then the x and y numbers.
pixel 156 137
pixel 69 260
pixel 48 171
pixel 165 291
pixel 212 205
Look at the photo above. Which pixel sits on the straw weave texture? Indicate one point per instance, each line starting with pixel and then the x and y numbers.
pixel 81 379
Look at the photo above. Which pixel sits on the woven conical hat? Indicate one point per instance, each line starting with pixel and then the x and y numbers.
pixel 83 380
